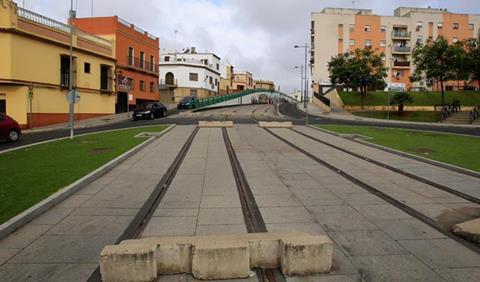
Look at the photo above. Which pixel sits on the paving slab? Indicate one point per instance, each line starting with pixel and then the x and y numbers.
pixel 46 272
pixel 460 274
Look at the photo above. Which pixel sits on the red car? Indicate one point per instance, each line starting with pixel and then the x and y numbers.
pixel 9 128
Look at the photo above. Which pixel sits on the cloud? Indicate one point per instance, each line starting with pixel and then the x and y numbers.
pixel 254 35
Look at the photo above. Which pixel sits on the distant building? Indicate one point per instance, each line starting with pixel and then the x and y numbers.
pixel 35 69
pixel 226 78
pixel 243 81
pixel 336 30
pixel 264 84
pixel 188 74
pixel 137 59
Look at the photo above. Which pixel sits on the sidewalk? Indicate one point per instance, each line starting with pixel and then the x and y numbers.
pixel 340 114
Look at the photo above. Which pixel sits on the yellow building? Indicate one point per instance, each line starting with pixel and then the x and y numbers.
pixel 264 84
pixel 34 72
pixel 243 81
pixel 226 79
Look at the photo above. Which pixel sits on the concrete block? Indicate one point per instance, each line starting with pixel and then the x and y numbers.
pixel 306 255
pixel 275 124
pixel 220 260
pixel 174 258
pixel 215 124
pixel 264 253
pixel 469 230
pixel 128 263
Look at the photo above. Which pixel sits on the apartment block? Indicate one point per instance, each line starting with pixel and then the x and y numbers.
pixel 136 52
pixel 337 30
pixel 188 74
pixel 243 80
pixel 35 69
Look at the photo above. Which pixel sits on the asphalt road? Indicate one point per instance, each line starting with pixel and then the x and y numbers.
pixel 290 111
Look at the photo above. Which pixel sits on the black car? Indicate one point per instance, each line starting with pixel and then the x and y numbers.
pixel 150 111
pixel 186 102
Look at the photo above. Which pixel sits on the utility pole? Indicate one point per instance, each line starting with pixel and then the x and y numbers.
pixel 71 101
pixel 92 8
pixel 301 81
pixel 305 99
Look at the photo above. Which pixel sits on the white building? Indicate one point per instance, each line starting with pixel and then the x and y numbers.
pixel 188 74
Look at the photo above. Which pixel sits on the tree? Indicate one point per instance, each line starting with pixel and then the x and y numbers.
pixel 400 99
pixel 436 60
pixel 360 70
pixel 472 59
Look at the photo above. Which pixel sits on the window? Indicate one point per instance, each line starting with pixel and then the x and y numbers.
pixel 383 28
pixel 216 81
pixel 105 78
pixel 352 27
pixel 131 83
pixel 352 42
pixel 166 58
pixel 383 43
pixel 419 39
pixel 193 76
pixel 152 87
pixel 368 28
pixel 152 63
pixel 86 67
pixel 471 26
pixel 440 25
pixel 368 43
pixel 130 56
pixel 211 80
pixel 218 66
pixel 142 85
pixel 142 60
pixel 398 74
pixel 455 40
pixel 419 24
pixel 65 71
pixel 456 25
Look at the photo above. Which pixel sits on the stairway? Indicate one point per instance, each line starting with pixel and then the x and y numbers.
pixel 461 118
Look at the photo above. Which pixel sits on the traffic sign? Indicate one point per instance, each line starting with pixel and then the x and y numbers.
pixel 73 97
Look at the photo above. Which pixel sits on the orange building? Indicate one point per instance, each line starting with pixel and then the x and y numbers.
pixel 137 54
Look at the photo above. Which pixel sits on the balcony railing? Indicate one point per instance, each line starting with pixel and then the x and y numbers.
pixel 142 64
pixel 37 18
pixel 401 34
pixel 168 83
pixel 402 49
pixel 401 64
pixel 188 61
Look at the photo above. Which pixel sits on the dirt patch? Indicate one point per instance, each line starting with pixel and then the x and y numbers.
pixel 87 141
pixel 100 150
pixel 421 150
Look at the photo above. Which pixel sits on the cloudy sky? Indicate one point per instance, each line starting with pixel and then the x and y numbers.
pixel 253 35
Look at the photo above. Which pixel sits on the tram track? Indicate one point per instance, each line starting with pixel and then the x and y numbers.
pixel 382 195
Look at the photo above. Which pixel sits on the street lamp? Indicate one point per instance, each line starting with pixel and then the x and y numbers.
pixel 71 92
pixel 305 99
pixel 301 81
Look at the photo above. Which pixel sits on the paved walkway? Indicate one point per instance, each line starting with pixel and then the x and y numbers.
pixel 64 243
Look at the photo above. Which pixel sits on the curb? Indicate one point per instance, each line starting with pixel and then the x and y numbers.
pixel 38 209
pixel 404 154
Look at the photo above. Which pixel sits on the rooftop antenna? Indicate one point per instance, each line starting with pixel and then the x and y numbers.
pixel 176 31
pixel 92 8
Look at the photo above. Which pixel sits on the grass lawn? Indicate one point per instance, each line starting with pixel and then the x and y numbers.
pixel 462 151
pixel 30 175
pixel 407 116
pixel 466 98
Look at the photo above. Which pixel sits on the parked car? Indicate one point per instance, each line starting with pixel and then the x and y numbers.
pixel 150 111
pixel 9 129
pixel 186 102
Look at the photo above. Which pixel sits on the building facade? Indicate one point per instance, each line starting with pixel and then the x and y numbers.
pixel 136 52
pixel 188 74
pixel 243 81
pixel 335 31
pixel 35 69
pixel 226 78
pixel 264 84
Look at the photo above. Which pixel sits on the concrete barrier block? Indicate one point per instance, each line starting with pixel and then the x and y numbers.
pixel 174 258
pixel 264 252
pixel 306 255
pixel 215 124
pixel 128 263
pixel 275 124
pixel 220 260
pixel 469 230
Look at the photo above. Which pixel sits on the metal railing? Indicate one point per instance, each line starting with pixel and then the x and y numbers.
pixel 168 83
pixel 448 110
pixel 401 34
pixel 37 18
pixel 401 64
pixel 142 64
pixel 402 49
pixel 183 60
pixel 474 114
pixel 322 98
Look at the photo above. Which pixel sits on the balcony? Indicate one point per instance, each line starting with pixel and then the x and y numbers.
pixel 167 84
pixel 138 64
pixel 401 64
pixel 401 49
pixel 401 34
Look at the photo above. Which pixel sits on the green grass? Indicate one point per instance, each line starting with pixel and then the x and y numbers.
pixel 419 116
pixel 458 150
pixel 466 98
pixel 27 176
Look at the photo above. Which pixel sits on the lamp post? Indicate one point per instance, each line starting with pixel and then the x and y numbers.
pixel 305 99
pixel 71 101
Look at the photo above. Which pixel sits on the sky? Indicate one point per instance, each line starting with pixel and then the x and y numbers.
pixel 253 35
